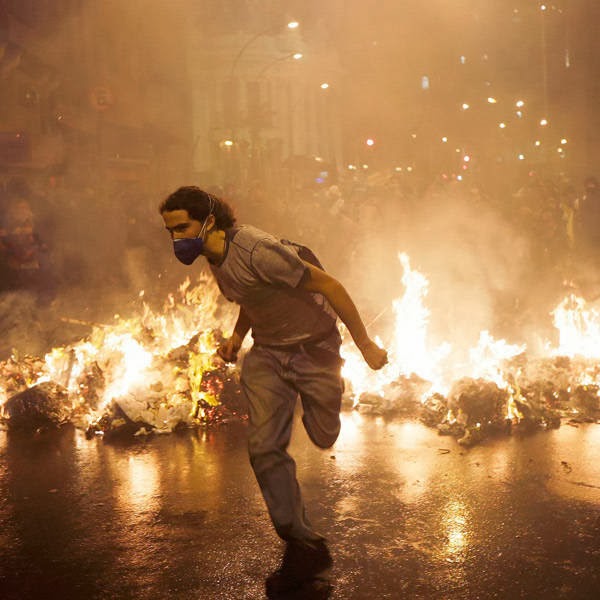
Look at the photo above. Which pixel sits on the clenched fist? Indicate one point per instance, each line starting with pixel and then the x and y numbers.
pixel 374 356
pixel 228 350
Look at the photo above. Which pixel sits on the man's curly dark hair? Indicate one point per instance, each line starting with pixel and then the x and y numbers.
pixel 198 204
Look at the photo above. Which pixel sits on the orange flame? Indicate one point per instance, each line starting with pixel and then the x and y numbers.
pixel 131 356
pixel 579 328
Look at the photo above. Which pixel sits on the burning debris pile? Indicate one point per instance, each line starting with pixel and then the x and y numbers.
pixel 538 394
pixel 151 373
pixel 500 387
pixel 157 372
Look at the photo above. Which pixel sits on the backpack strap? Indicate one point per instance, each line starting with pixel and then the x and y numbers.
pixel 305 253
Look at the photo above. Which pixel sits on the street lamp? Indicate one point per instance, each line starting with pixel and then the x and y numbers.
pixel 291 26
pixel 294 55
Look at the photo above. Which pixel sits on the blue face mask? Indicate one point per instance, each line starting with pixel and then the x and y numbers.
pixel 187 250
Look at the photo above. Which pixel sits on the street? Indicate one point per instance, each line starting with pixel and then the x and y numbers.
pixel 407 513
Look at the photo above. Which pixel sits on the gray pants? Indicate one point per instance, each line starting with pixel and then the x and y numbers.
pixel 272 380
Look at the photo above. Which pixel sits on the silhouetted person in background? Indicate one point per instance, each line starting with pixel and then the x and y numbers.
pixel 24 258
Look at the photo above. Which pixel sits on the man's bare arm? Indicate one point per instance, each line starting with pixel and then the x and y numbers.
pixel 230 347
pixel 317 280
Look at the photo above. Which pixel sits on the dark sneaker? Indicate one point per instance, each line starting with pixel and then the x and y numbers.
pixel 317 588
pixel 313 554
pixel 302 569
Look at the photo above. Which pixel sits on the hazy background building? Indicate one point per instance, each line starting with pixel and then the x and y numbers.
pixel 95 92
pixel 264 107
pixel 227 94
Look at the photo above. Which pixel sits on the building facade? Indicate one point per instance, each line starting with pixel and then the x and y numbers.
pixel 97 93
pixel 265 96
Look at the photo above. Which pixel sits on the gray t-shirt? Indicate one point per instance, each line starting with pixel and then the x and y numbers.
pixel 261 274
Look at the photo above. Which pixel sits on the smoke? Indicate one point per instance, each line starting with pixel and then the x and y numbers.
pixel 92 253
pixel 101 121
pixel 474 259
pixel 20 326
pixel 476 263
pixel 116 121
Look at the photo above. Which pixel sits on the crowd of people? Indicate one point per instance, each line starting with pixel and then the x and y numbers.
pixel 558 216
pixel 509 255
pixel 56 238
pixel 558 219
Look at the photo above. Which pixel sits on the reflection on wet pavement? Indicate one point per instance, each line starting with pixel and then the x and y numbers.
pixel 407 514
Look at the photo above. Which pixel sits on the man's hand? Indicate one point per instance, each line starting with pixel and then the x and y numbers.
pixel 228 350
pixel 316 280
pixel 374 356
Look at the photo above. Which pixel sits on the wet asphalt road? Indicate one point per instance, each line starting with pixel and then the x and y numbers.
pixel 408 514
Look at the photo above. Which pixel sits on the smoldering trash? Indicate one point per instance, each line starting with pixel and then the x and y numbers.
pixel 152 373
pixel 157 372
